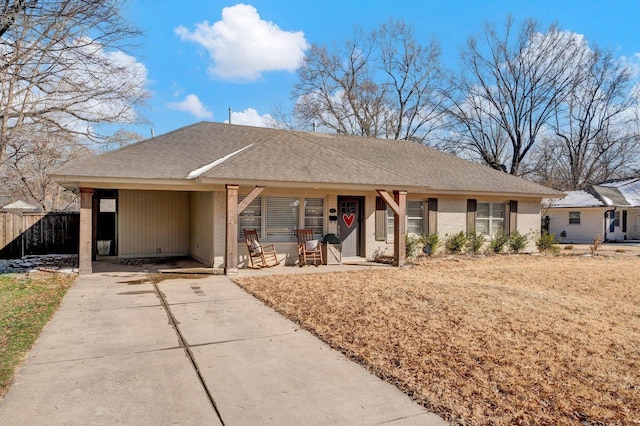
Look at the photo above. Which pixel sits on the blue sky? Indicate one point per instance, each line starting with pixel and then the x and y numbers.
pixel 200 64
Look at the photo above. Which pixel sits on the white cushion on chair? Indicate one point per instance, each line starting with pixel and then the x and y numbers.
pixel 311 245
pixel 255 247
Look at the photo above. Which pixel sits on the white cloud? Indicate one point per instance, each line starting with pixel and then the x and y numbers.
pixel 250 117
pixel 193 105
pixel 633 63
pixel 85 85
pixel 243 46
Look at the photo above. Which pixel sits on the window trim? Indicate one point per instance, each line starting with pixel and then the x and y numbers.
pixel 491 217
pixel 577 217
pixel 389 219
pixel 300 223
pixel 322 217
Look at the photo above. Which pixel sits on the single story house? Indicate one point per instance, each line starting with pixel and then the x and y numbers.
pixel 610 209
pixel 194 190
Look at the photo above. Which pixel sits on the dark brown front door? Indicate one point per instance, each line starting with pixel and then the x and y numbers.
pixel 349 223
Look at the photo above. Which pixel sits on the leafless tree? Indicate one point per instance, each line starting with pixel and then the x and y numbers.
pixel 413 81
pixel 506 92
pixel 381 84
pixel 595 132
pixel 120 139
pixel 10 10
pixel 63 66
pixel 25 174
pixel 281 118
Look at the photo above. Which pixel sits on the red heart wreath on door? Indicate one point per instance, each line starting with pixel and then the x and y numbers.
pixel 348 219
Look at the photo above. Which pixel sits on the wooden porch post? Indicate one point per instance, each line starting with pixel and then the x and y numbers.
pixel 231 239
pixel 232 211
pixel 399 228
pixel 85 253
pixel 399 206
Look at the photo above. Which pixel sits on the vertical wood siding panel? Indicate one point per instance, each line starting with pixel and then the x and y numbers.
pixel 150 220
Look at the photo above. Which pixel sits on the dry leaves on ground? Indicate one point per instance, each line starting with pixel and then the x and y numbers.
pixel 496 340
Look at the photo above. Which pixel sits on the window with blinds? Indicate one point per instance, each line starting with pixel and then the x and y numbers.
pixel 314 215
pixel 415 217
pixel 282 215
pixel 574 218
pixel 250 218
pixel 390 219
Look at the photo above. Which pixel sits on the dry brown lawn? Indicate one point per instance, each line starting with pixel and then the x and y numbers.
pixel 496 340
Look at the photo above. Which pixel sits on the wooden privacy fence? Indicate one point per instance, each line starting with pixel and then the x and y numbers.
pixel 42 233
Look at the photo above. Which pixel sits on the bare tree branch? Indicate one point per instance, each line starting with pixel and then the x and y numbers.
pixel 506 92
pixel 65 75
pixel 381 84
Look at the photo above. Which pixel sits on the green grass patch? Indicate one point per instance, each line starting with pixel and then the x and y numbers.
pixel 26 304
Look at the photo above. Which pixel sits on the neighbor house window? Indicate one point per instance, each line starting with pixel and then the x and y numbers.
pixel 574 218
pixel 250 218
pixel 282 218
pixel 616 220
pixel 490 218
pixel 314 215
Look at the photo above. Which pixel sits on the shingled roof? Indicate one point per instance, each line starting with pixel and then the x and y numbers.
pixel 611 193
pixel 217 153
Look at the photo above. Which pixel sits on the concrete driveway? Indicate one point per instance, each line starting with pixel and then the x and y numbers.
pixel 135 348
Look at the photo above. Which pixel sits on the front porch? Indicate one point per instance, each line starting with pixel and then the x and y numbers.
pixel 186 266
pixel 208 225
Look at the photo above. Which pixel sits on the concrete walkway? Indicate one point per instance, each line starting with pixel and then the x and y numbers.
pixel 126 348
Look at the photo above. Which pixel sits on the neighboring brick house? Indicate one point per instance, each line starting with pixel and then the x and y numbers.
pixel 610 209
pixel 178 194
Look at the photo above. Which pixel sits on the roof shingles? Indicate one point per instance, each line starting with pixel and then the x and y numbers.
pixel 293 156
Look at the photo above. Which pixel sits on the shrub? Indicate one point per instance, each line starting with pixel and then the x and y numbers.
pixel 411 245
pixel 548 243
pixel 432 241
pixel 597 241
pixel 455 243
pixel 475 241
pixel 517 241
pixel 498 242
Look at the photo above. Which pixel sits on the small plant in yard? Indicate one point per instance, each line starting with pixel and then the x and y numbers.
pixel 597 242
pixel 498 242
pixel 411 245
pixel 518 241
pixel 432 242
pixel 548 243
pixel 475 241
pixel 455 243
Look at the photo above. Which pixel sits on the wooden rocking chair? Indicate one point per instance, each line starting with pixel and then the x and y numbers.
pixel 309 248
pixel 265 256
